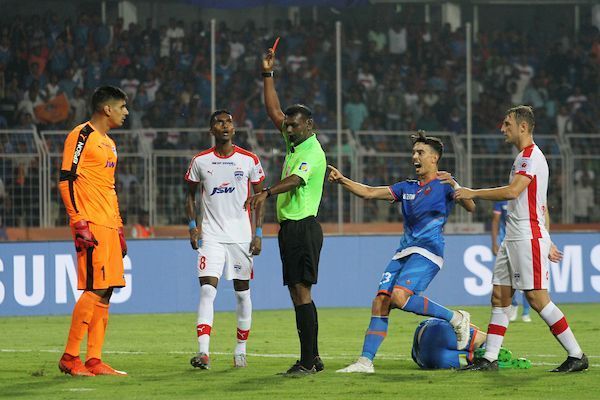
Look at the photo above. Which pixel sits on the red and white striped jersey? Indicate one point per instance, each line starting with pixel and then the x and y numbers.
pixel 527 213
pixel 225 185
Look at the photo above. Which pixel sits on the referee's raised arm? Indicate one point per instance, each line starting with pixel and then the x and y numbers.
pixel 271 100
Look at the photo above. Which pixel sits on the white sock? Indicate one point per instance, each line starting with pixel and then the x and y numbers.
pixel 206 313
pixel 244 319
pixel 560 329
pixel 496 330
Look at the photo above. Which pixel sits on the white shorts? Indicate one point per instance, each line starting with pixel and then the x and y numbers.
pixel 523 264
pixel 233 260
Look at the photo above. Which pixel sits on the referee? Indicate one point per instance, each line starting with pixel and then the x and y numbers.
pixel 299 195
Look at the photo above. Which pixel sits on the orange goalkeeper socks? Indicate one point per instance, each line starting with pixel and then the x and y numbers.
pixel 82 316
pixel 96 331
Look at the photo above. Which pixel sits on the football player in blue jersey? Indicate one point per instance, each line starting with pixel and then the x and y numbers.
pixel 498 232
pixel 426 205
pixel 434 345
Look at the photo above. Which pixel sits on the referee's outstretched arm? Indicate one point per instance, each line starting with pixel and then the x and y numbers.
pixel 271 100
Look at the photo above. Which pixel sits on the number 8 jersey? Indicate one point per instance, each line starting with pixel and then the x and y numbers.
pixel 225 183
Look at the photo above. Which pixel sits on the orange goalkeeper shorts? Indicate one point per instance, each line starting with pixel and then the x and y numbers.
pixel 101 267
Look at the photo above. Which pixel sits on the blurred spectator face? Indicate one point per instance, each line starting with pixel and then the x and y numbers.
pixel 26 120
pixel 34 69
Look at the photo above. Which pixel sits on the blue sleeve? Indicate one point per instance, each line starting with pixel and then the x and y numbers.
pixel 396 190
pixel 449 194
pixel 498 206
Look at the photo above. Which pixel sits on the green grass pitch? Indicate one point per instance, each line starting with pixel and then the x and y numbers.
pixel 155 350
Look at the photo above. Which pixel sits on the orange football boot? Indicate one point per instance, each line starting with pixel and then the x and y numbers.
pixel 73 366
pixel 97 367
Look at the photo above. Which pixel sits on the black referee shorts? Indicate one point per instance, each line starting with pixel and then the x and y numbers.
pixel 300 244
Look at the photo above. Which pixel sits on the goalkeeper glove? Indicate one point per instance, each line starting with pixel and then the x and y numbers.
pixel 123 243
pixel 84 238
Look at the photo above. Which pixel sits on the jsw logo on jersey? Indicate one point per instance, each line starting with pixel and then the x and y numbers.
pixel 223 188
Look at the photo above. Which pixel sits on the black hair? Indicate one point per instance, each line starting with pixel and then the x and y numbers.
pixel 523 114
pixel 298 109
pixel 104 94
pixel 213 116
pixel 435 143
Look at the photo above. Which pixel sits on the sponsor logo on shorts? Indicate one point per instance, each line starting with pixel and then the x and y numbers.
pixel 517 276
pixel 237 267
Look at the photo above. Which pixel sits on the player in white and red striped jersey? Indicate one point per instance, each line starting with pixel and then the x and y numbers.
pixel 523 258
pixel 224 237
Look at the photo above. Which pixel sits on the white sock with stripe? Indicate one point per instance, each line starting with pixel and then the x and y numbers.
pixel 244 319
pixel 206 313
pixel 496 330
pixel 560 329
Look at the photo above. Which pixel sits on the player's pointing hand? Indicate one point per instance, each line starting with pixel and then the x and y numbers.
pixel 335 176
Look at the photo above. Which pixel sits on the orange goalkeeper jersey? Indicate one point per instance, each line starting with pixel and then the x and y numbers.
pixel 87 177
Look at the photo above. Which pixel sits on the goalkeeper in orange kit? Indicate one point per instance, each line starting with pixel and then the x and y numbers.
pixel 87 188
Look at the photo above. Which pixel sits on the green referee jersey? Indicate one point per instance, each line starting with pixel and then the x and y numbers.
pixel 309 163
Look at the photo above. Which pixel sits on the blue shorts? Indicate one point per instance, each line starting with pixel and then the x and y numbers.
pixel 434 346
pixel 412 273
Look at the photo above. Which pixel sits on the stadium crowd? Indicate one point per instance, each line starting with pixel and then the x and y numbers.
pixel 397 75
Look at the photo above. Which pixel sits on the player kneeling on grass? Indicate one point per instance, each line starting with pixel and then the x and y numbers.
pixel 426 204
pixel 434 347
pixel 224 238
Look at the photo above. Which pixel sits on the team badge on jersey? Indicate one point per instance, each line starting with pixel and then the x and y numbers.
pixel 303 167
pixel 238 175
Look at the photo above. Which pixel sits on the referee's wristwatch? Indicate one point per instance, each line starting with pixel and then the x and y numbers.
pixel 268 190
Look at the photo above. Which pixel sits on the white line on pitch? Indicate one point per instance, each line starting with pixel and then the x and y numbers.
pixel 381 356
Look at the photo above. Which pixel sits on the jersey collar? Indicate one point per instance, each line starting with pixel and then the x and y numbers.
pixel 427 182
pixel 235 149
pixel 309 139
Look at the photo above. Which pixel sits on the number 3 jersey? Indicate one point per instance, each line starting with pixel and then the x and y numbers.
pixel 225 186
